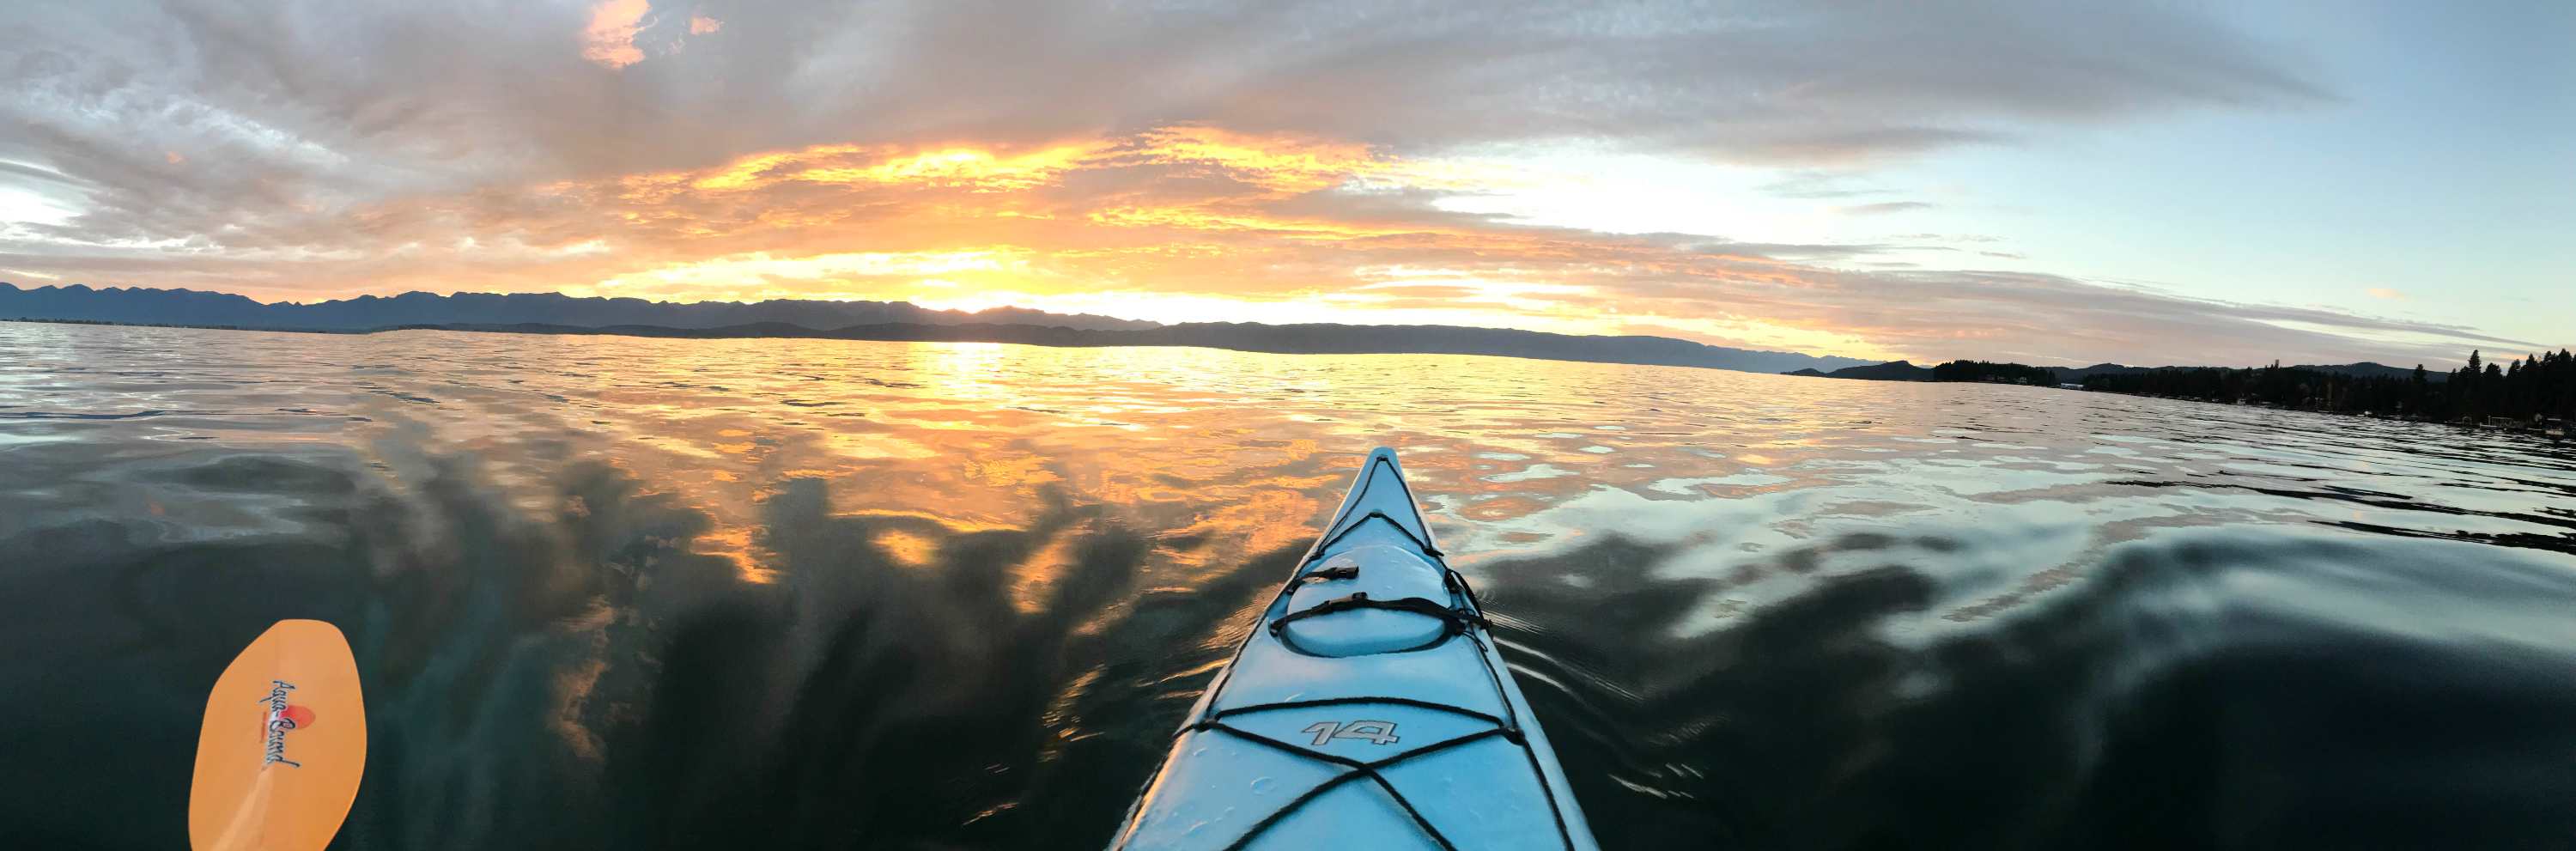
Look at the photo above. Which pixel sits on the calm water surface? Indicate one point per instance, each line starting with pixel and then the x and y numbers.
pixel 630 593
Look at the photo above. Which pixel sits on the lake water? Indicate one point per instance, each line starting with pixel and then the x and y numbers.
pixel 611 592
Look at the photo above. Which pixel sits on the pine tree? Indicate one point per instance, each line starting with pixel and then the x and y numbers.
pixel 2535 386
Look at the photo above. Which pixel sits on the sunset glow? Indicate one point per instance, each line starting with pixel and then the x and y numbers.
pixel 1197 224
pixel 1884 209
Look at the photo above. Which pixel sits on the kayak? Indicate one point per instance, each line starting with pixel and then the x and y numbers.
pixel 1368 709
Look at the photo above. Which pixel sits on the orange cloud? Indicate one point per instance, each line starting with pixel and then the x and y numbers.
pixel 610 38
pixel 1176 224
pixel 1193 223
pixel 960 167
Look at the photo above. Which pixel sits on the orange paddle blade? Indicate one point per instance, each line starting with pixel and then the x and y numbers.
pixel 284 744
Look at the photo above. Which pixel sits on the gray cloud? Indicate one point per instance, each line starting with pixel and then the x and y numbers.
pixel 2043 317
pixel 322 103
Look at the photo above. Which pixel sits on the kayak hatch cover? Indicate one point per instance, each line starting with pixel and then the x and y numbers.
pixel 1368 710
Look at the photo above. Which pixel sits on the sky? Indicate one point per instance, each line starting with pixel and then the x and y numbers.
pixel 2042 182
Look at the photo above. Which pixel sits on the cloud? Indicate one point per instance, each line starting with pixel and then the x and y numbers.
pixel 2385 293
pixel 1266 158
pixel 1884 207
pixel 1811 184
pixel 452 96
pixel 460 85
pixel 1197 223
pixel 610 38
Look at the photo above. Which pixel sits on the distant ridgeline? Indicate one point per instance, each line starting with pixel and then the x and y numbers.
pixel 553 313
pixel 2542 385
pixel 1957 370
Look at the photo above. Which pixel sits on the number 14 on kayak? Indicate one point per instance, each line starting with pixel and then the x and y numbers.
pixel 1368 709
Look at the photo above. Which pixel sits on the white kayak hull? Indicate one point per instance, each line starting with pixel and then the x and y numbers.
pixel 1369 709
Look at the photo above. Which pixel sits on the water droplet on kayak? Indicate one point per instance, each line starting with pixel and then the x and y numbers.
pixel 1263 785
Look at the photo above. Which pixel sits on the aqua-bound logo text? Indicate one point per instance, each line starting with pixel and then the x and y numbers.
pixel 282 717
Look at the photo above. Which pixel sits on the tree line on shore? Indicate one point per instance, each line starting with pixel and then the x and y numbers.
pixel 2000 373
pixel 2536 386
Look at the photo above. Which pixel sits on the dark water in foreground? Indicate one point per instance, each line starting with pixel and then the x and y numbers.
pixel 656 593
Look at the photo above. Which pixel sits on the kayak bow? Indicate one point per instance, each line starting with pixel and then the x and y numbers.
pixel 1368 710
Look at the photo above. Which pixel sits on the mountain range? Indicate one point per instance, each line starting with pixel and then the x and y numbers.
pixel 860 320
pixel 195 307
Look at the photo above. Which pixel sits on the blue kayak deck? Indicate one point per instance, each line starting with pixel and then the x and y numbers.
pixel 1354 721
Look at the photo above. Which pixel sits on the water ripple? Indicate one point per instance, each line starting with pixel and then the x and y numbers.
pixel 674 593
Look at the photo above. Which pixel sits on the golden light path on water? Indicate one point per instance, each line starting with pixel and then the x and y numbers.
pixel 1242 450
